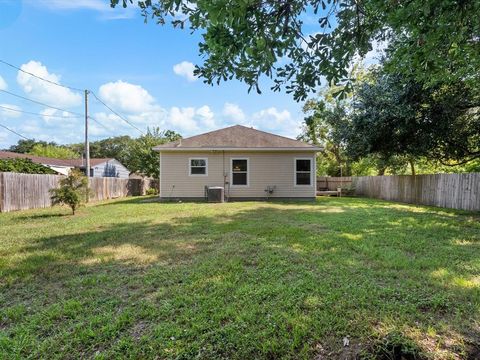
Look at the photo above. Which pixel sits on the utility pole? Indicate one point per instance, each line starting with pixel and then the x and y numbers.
pixel 87 144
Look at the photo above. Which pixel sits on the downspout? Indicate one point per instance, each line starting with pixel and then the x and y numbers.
pixel 226 193
pixel 159 174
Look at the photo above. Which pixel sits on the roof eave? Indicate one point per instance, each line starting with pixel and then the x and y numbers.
pixel 313 148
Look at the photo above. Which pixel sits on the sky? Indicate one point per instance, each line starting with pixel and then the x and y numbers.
pixel 142 71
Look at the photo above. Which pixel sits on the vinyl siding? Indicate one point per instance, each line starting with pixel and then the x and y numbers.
pixel 265 169
pixel 112 168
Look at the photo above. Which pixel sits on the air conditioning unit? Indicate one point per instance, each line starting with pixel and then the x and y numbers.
pixel 215 194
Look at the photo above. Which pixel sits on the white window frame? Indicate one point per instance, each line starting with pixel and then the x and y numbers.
pixel 231 172
pixel 190 166
pixel 295 171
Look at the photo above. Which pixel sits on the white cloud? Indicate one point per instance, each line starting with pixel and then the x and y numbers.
pixel 3 84
pixel 183 119
pixel 185 69
pixel 3 137
pixel 234 112
pixel 100 6
pixel 189 120
pixel 10 113
pixel 126 97
pixel 43 91
pixel 31 129
pixel 280 122
pixel 276 121
pixel 207 117
pixel 272 116
pixel 139 107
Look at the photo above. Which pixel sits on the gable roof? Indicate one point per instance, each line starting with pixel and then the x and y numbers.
pixel 237 137
pixel 52 161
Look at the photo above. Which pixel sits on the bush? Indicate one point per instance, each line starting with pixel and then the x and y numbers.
pixel 25 166
pixel 73 190
pixel 348 190
pixel 151 191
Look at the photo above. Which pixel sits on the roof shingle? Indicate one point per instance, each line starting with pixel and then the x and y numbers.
pixel 236 137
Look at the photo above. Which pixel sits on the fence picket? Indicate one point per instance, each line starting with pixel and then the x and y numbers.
pixel 31 191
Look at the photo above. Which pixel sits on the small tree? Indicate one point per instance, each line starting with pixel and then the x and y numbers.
pixel 73 189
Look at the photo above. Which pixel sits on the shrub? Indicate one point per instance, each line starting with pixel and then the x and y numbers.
pixel 72 191
pixel 151 191
pixel 25 166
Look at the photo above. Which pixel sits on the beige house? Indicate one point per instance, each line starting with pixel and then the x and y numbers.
pixel 248 164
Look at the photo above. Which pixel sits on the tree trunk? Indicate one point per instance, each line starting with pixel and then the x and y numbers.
pixel 412 166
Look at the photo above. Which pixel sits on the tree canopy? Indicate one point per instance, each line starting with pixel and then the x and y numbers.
pixel 25 166
pixel 24 146
pixel 394 116
pixel 135 154
pixel 54 151
pixel 433 41
pixel 392 120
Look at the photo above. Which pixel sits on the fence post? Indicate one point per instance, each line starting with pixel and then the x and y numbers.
pixel 1 192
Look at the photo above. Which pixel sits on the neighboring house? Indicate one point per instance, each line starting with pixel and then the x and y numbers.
pixel 249 164
pixel 98 167
pixel 106 168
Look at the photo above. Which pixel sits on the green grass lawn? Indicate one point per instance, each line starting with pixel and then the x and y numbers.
pixel 141 279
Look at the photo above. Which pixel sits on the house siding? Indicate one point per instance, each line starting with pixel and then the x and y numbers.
pixel 265 169
pixel 111 168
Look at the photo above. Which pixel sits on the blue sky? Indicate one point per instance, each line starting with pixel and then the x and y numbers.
pixel 141 70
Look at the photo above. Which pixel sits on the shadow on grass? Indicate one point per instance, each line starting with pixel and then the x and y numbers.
pixel 279 280
pixel 45 216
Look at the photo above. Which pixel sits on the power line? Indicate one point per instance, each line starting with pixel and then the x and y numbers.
pixel 14 132
pixel 38 114
pixel 56 108
pixel 113 111
pixel 78 115
pixel 99 123
pixel 40 103
pixel 39 77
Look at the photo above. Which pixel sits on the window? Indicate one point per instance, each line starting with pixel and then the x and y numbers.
pixel 303 172
pixel 198 167
pixel 239 172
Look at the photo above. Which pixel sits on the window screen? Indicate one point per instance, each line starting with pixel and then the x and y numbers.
pixel 303 172
pixel 198 166
pixel 239 171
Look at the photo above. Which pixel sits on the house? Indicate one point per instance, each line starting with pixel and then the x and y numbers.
pixel 249 164
pixel 103 167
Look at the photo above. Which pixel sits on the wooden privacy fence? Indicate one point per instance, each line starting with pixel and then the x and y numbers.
pixel 332 183
pixel 31 191
pixel 456 191
pixel 26 191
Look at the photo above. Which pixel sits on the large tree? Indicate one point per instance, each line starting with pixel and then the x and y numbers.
pixel 116 147
pixel 142 158
pixel 54 151
pixel 24 146
pixel 394 116
pixel 323 127
pixel 431 40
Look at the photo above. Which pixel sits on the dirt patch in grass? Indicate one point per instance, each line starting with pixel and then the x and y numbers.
pixel 138 330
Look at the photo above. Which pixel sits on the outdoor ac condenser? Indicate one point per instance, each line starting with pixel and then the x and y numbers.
pixel 215 194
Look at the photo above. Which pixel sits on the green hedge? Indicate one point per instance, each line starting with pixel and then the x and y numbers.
pixel 25 166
